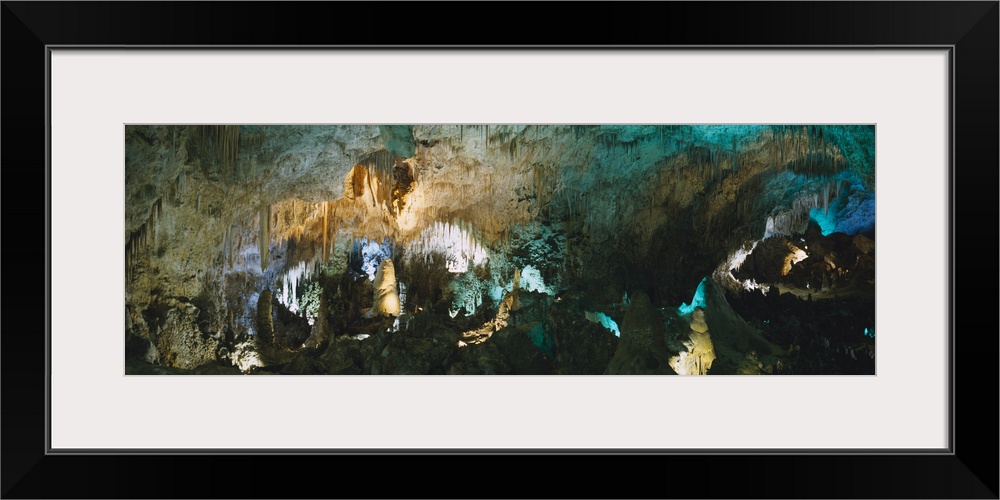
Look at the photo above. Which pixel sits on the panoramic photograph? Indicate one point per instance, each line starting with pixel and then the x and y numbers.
pixel 499 249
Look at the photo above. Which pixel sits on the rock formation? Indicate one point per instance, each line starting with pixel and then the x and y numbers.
pixel 386 297
pixel 642 349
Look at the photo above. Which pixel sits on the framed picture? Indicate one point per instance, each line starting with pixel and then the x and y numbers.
pixel 578 221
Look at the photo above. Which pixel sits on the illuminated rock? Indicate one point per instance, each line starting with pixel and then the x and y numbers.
pixel 385 294
pixel 698 321
pixel 729 339
pixel 700 353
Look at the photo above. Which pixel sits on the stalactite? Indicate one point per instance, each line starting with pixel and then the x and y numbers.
pixel 226 139
pixel 130 252
pixel 826 198
pixel 781 150
pixel 326 210
pixel 227 243
pixel 264 217
pixel 150 236
pixel 181 183
pixel 173 148
pixel 371 189
pixel 490 191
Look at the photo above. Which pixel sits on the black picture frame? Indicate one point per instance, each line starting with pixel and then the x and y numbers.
pixel 969 29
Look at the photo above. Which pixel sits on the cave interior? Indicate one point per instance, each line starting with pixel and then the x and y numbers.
pixel 499 249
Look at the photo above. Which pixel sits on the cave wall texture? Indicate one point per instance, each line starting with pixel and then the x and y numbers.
pixel 234 231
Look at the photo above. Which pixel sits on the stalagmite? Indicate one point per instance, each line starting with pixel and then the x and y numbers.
pixel 265 323
pixel 642 349
pixel 700 354
pixel 320 328
pixel 386 297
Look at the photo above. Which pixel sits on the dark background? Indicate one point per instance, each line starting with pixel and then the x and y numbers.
pixel 972 27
